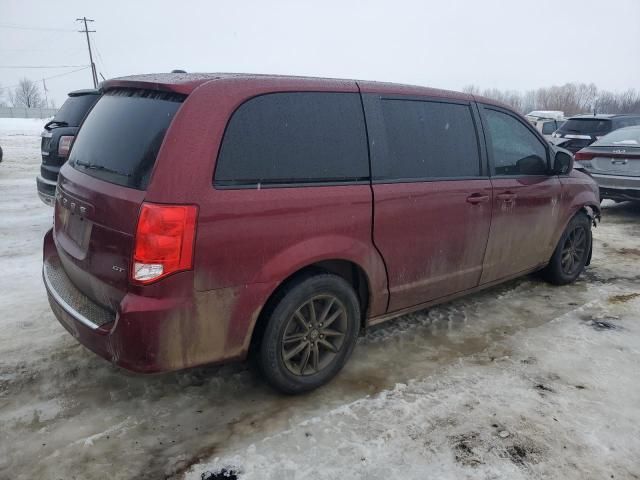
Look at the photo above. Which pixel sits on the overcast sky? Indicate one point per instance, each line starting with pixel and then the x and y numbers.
pixel 446 43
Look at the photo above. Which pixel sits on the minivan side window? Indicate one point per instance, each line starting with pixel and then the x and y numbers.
pixel 293 138
pixel 514 148
pixel 428 139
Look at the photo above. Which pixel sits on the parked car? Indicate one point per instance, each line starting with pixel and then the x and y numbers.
pixel 582 130
pixel 57 138
pixel 205 218
pixel 538 114
pixel 614 162
pixel 1 154
pixel 548 126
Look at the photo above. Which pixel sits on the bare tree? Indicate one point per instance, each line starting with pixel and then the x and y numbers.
pixel 471 90
pixel 2 101
pixel 27 94
pixel 571 98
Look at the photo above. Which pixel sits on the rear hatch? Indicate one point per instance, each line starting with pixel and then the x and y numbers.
pixel 582 132
pixel 625 164
pixel 102 186
pixel 66 122
pixel 616 154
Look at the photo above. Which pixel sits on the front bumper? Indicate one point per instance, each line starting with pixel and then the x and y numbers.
pixel 618 187
pixel 145 334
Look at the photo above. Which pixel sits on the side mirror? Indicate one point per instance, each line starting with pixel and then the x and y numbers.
pixel 562 163
pixel 532 165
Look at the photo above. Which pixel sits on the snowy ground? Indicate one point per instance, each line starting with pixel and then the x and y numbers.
pixel 524 380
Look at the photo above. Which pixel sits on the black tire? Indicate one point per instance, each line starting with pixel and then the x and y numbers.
pixel 571 254
pixel 291 316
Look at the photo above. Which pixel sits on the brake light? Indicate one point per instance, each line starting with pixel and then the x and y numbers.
pixel 583 155
pixel 164 241
pixel 64 145
pixel 584 158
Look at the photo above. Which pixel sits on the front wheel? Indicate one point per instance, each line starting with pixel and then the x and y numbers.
pixel 310 333
pixel 571 253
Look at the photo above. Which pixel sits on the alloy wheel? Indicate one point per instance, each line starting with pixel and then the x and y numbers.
pixel 314 335
pixel 574 251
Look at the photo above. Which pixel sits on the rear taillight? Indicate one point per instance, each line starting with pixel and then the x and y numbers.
pixel 583 155
pixel 164 241
pixel 64 145
pixel 584 158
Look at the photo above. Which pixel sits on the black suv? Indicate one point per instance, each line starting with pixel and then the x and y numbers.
pixel 582 130
pixel 57 137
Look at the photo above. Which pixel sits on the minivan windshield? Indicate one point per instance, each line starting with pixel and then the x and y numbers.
pixel 586 126
pixel 121 136
pixel 74 109
pixel 629 137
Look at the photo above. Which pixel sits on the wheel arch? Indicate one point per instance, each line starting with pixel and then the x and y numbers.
pixel 353 273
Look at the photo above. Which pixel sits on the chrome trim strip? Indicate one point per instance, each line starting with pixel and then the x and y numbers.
pixel 66 307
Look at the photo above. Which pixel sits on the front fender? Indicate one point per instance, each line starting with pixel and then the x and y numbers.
pixel 578 195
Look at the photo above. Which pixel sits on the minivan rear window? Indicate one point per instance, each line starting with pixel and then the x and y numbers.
pixel 586 126
pixel 294 138
pixel 120 138
pixel 74 109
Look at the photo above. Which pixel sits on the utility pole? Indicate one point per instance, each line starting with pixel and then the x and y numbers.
pixel 46 97
pixel 86 31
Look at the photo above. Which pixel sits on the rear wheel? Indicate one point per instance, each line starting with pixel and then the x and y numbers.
pixel 310 334
pixel 571 253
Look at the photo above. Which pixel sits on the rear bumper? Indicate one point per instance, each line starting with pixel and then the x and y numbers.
pixel 46 190
pixel 151 335
pixel 618 187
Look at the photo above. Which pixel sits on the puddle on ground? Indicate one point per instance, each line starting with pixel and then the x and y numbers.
pixel 623 298
pixel 629 251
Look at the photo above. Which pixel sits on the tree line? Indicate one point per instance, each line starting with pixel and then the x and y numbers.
pixel 26 94
pixel 571 98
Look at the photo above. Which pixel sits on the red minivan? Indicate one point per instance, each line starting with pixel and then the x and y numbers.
pixel 203 218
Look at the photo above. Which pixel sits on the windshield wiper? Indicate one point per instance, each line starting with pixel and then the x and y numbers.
pixel 93 166
pixel 61 123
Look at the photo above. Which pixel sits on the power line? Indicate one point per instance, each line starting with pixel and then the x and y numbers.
pixel 43 66
pixel 52 76
pixel 45 40
pixel 86 31
pixel 26 27
pixel 95 44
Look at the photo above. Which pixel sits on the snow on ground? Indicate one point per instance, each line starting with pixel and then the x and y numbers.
pixel 558 401
pixel 22 126
pixel 524 380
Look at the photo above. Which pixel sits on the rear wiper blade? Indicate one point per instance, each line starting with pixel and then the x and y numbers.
pixel 93 166
pixel 61 123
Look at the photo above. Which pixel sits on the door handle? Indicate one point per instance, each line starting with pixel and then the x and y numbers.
pixel 506 197
pixel 477 198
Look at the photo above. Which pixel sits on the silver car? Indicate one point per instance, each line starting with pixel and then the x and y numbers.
pixel 614 162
